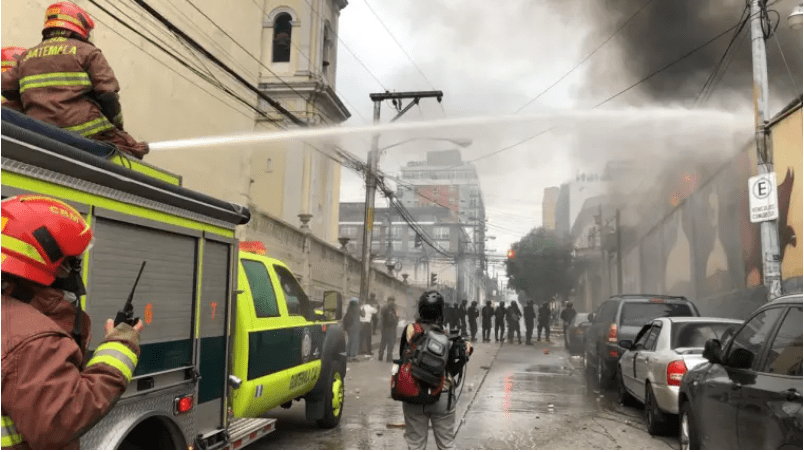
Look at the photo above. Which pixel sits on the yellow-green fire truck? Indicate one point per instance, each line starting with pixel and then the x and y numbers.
pixel 228 335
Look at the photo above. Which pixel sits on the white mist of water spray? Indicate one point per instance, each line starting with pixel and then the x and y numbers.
pixel 627 118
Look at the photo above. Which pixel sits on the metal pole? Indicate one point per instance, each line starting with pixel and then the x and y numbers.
pixel 368 217
pixel 459 267
pixel 371 180
pixel 769 229
pixel 619 253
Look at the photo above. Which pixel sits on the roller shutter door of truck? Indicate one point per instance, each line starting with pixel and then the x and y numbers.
pixel 215 290
pixel 164 297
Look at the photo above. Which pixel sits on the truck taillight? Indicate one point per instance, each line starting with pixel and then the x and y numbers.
pixel 183 404
pixel 675 372
pixel 613 333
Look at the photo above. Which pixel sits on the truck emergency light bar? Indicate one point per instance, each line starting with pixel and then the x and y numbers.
pixel 253 247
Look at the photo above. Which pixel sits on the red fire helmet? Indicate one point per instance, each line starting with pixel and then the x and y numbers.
pixel 10 56
pixel 38 234
pixel 69 16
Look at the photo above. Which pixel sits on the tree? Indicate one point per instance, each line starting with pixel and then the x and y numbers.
pixel 542 265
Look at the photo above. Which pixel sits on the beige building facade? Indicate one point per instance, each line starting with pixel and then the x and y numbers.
pixel 162 100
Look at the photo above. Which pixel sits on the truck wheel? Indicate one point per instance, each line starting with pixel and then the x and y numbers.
pixel 334 396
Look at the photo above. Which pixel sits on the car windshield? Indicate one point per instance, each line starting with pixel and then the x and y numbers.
pixel 638 314
pixel 695 334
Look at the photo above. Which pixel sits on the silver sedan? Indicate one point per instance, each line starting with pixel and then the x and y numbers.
pixel 651 369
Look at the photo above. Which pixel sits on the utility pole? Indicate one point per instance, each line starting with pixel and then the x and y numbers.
pixel 371 175
pixel 619 253
pixel 769 229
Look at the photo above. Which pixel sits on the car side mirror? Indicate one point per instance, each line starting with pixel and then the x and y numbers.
pixel 740 359
pixel 626 344
pixel 712 351
pixel 591 316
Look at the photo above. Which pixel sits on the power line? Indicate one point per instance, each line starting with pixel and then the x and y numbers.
pixel 246 50
pixel 587 56
pixel 789 73
pixel 177 58
pixel 400 45
pixel 665 67
pixel 175 71
pixel 348 48
pixel 710 81
pixel 220 64
pixel 193 23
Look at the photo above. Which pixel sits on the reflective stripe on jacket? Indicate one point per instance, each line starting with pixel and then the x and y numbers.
pixel 48 398
pixel 10 435
pixel 59 81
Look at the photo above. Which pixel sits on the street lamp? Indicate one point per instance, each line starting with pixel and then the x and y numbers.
pixel 794 19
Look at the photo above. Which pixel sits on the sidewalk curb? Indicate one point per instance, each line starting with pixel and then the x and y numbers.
pixel 477 389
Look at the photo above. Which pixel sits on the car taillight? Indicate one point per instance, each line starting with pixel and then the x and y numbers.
pixel 675 372
pixel 613 333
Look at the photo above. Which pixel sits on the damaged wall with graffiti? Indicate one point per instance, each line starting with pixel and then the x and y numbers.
pixel 705 247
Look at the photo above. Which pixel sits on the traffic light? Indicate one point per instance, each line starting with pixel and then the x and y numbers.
pixel 511 254
pixel 417 243
pixel 433 279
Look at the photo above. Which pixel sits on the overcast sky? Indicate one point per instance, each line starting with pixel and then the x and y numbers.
pixel 491 59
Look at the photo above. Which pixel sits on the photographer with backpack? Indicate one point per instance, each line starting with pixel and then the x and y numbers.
pixel 429 372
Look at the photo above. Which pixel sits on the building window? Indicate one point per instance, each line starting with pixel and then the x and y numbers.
pixel 441 232
pixel 282 31
pixel 326 49
pixel 397 231
pixel 349 231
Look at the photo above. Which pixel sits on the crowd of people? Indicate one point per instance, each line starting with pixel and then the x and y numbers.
pixel 363 319
pixel 460 322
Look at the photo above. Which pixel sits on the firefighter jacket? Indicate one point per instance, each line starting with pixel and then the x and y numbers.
pixel 69 83
pixel 49 399
pixel 12 104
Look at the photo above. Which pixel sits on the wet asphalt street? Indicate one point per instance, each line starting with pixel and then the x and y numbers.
pixel 515 397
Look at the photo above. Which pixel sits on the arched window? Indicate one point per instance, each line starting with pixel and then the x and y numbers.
pixel 326 48
pixel 282 29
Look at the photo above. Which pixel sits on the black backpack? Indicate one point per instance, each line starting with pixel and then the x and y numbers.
pixel 430 355
pixel 421 374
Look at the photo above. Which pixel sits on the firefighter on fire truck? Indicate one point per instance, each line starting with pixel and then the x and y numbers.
pixel 10 56
pixel 66 81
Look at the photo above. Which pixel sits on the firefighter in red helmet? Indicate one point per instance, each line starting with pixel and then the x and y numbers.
pixel 66 81
pixel 10 56
pixel 49 397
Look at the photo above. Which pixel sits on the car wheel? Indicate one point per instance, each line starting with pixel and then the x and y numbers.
pixel 687 436
pixel 334 396
pixel 654 420
pixel 623 396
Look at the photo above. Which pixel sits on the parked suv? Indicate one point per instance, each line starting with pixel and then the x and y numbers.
pixel 619 318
